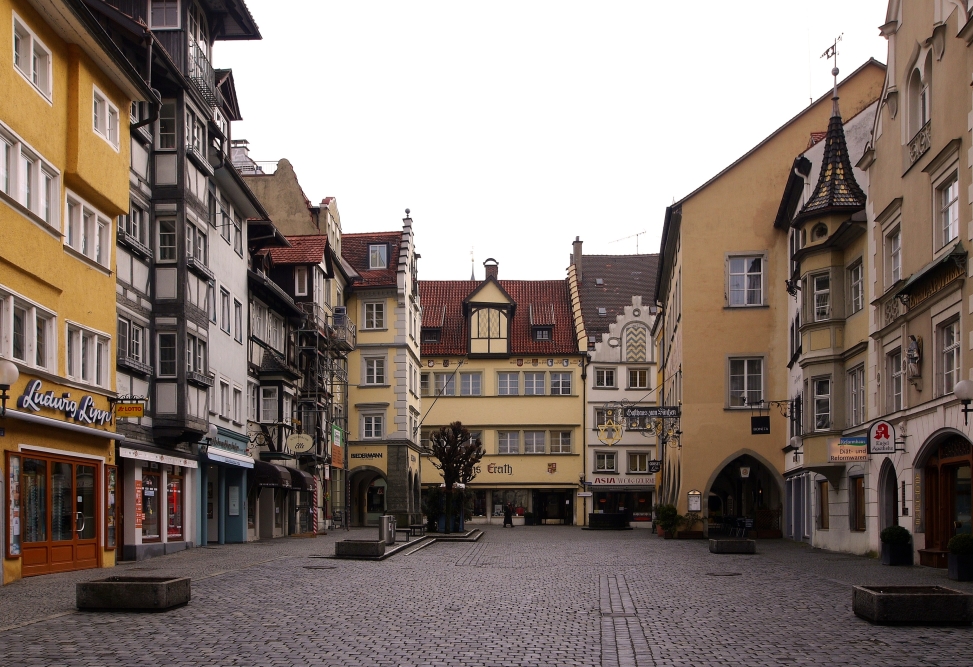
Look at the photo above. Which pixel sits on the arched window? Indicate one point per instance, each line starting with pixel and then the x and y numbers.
pixel 920 82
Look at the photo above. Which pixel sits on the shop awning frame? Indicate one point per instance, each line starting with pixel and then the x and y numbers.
pixel 218 455
pixel 67 426
pixel 269 474
pixel 300 480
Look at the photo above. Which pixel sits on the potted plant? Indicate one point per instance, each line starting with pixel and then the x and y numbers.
pixel 689 522
pixel 896 546
pixel 528 518
pixel 961 557
pixel 669 519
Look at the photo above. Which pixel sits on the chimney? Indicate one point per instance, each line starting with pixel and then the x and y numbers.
pixel 577 256
pixel 491 265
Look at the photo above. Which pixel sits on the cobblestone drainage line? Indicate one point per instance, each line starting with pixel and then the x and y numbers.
pixel 723 574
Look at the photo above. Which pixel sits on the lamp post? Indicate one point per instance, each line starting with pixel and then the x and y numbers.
pixel 211 434
pixel 8 375
pixel 963 390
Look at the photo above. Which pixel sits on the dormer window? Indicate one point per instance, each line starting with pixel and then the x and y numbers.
pixel 488 331
pixel 378 256
pixel 431 335
pixel 542 334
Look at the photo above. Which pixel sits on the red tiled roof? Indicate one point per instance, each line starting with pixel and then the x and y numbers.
pixel 815 138
pixel 442 301
pixel 303 250
pixel 354 248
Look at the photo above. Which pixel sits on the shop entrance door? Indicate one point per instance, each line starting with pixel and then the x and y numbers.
pixel 60 516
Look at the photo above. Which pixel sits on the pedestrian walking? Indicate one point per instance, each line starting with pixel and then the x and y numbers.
pixel 508 515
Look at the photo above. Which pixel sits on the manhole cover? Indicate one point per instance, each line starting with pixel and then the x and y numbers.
pixel 723 574
pixel 320 567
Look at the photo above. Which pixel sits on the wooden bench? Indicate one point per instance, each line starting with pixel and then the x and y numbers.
pixel 407 532
pixel 417 529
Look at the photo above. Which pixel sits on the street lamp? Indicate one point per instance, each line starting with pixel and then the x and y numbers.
pixel 964 392
pixel 8 375
pixel 211 434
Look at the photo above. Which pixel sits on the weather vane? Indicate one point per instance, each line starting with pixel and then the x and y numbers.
pixel 832 52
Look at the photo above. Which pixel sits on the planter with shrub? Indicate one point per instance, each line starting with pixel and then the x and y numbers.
pixel 669 520
pixel 961 557
pixel 896 546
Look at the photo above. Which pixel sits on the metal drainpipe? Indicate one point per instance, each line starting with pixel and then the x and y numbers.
pixel 155 104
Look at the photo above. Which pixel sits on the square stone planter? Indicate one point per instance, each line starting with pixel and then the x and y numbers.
pixel 912 605
pixel 960 568
pixel 133 593
pixel 359 549
pixel 731 546
pixel 897 554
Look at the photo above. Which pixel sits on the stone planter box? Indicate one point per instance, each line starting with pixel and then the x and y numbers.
pixel 912 605
pixel 960 567
pixel 359 549
pixel 133 593
pixel 897 554
pixel 518 520
pixel 723 546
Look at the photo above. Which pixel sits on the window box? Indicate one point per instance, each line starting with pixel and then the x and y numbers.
pixel 200 269
pixel 134 244
pixel 200 379
pixel 199 159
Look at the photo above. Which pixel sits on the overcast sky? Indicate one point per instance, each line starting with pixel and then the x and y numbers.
pixel 509 128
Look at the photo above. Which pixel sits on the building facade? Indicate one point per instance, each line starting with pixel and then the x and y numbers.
pixel 616 293
pixel 64 180
pixel 384 465
pixel 503 358
pixel 722 331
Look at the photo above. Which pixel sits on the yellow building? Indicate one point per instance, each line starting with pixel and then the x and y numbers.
pixel 383 377
pixel 63 180
pixel 723 328
pixel 502 357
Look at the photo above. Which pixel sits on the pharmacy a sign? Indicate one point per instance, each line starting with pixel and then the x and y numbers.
pixel 881 438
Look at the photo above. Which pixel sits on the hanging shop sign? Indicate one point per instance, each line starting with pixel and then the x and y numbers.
pixel 130 410
pixel 642 418
pixel 655 466
pixel 760 425
pixel 300 442
pixel 881 438
pixel 846 450
pixel 83 411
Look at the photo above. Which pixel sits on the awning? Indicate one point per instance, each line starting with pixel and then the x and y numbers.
pixel 218 455
pixel 301 480
pixel 269 474
pixel 156 455
pixel 68 426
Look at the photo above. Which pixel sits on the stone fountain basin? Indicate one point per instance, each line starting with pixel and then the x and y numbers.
pixel 912 605
pixel 133 593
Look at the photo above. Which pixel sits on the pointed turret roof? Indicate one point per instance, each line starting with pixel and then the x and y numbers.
pixel 837 190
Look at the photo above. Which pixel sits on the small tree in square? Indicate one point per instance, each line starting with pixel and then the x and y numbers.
pixel 456 456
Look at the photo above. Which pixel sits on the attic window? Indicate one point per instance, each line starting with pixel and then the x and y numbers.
pixel 542 333
pixel 599 281
pixel 378 256
pixel 591 342
pixel 602 312
pixel 430 335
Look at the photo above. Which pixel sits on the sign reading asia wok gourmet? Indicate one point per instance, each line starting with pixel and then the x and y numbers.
pixel 84 411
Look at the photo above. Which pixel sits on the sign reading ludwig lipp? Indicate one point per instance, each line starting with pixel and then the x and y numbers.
pixel 842 450
pixel 881 438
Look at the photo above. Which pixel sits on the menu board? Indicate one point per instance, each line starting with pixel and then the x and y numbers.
pixel 139 514
pixel 13 505
pixel 111 511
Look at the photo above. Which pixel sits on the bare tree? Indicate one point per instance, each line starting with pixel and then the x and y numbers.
pixel 456 456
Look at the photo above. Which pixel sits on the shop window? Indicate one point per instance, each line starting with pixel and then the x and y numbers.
pixel 856 498
pixel 151 485
pixel 174 503
pixel 824 507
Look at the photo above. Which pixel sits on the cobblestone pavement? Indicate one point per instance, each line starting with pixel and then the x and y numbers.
pixel 532 596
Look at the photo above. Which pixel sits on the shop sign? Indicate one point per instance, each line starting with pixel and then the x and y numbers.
pixel 585 494
pixel 760 425
pixel 845 450
pixel 881 438
pixel 130 410
pixel 616 480
pixel 83 411
pixel 640 419
pixel 367 455
pixel 744 472
pixel 300 442
pixel 655 466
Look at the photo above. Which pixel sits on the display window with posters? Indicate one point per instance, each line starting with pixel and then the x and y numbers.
pixel 174 503
pixel 151 483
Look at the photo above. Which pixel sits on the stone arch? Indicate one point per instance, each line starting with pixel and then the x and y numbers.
pixel 931 445
pixel 747 498
pixel 360 479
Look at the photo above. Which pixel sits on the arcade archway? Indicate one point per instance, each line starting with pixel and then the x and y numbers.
pixel 745 491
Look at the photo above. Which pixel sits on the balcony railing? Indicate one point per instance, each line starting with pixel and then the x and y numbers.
pixel 200 73
pixel 200 379
pixel 132 364
pixel 920 143
pixel 339 327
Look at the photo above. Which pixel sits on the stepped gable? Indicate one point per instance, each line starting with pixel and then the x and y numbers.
pixel 622 276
